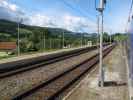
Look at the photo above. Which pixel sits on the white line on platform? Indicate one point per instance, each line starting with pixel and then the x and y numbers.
pixel 78 85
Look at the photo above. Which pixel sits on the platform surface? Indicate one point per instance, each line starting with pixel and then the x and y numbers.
pixel 27 56
pixel 116 87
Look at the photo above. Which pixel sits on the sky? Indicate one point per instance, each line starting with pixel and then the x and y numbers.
pixel 73 15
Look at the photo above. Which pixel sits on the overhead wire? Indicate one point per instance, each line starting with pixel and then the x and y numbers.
pixel 77 10
pixel 80 11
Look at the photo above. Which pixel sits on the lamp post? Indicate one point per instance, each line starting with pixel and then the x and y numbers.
pixel 81 39
pixel 18 37
pixel 110 37
pixel 63 40
pixel 44 41
pixel 97 32
pixel 50 43
pixel 101 70
pixel 101 73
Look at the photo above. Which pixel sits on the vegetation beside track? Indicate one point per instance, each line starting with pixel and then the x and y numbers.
pixel 44 39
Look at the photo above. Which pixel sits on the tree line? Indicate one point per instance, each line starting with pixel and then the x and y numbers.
pixel 33 38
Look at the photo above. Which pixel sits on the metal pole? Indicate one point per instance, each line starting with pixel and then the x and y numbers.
pixel 18 42
pixel 44 40
pixel 101 76
pixel 63 40
pixel 81 40
pixel 50 43
pixel 101 70
pixel 110 37
pixel 97 32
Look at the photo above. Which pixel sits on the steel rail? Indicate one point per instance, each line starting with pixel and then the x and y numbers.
pixel 13 68
pixel 57 84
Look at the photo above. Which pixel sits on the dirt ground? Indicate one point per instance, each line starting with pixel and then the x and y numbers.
pixel 115 81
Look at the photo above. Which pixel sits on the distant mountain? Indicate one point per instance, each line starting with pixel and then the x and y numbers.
pixel 11 27
pixel 7 26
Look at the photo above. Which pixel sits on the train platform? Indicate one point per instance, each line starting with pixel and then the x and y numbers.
pixel 116 81
pixel 27 56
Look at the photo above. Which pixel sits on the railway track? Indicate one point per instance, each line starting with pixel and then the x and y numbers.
pixel 51 88
pixel 17 67
pixel 12 68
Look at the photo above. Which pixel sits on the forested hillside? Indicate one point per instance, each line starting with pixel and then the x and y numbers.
pixel 33 38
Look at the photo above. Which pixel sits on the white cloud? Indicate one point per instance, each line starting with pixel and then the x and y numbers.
pixel 73 23
pixel 5 4
pixel 13 7
pixel 76 23
pixel 9 11
pixel 40 20
pixel 12 11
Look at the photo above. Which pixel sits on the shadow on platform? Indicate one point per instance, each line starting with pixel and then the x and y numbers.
pixel 114 83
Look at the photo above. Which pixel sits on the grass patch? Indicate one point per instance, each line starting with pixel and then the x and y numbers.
pixel 4 55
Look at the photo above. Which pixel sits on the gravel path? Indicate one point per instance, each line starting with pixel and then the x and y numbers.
pixel 115 80
pixel 13 85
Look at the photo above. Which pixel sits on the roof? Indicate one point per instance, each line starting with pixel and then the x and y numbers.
pixel 7 45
